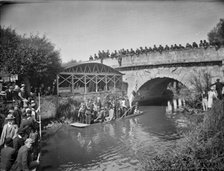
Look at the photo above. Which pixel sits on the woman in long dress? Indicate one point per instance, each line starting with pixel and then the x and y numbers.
pixel 211 95
pixel 205 101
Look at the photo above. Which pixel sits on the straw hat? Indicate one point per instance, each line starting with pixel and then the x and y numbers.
pixel 11 111
pixel 33 104
pixel 29 140
pixel 10 117
pixel 16 87
pixel 28 109
pixel 2 93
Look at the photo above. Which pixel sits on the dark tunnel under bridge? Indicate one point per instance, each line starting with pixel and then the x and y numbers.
pixel 158 91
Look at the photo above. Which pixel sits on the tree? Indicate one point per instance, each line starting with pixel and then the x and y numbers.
pixel 70 63
pixel 216 35
pixel 200 82
pixel 9 43
pixel 33 58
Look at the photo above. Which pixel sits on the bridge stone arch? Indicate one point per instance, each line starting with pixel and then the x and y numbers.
pixel 138 78
pixel 180 65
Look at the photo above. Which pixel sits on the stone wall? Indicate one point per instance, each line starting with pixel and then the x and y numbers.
pixel 167 57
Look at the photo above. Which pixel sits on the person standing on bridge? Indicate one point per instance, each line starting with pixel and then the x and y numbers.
pixel 218 86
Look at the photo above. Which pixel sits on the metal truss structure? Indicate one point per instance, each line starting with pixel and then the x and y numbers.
pixel 88 78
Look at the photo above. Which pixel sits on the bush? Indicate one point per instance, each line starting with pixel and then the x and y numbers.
pixel 67 109
pixel 201 148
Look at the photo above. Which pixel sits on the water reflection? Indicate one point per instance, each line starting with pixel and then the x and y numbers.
pixel 125 144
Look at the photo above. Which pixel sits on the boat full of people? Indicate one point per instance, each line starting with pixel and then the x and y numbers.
pixel 92 113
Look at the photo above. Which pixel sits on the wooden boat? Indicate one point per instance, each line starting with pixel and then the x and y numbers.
pixel 83 125
pixel 79 125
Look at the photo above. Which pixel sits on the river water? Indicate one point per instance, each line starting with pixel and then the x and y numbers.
pixel 126 144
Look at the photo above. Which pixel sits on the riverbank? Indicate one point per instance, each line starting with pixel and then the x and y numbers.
pixel 200 148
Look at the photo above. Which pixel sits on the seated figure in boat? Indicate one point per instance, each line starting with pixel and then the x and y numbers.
pixel 136 108
pixel 111 113
pixel 123 106
pixel 100 116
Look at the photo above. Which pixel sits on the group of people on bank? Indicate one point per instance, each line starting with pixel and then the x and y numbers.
pixel 19 136
pixel 93 111
pixel 215 92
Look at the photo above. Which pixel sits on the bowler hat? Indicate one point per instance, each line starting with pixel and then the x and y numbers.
pixel 17 87
pixel 33 104
pixel 20 132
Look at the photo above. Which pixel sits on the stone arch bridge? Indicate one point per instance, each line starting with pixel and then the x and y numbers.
pixel 152 73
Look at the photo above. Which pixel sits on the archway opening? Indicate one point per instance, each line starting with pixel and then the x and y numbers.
pixel 159 91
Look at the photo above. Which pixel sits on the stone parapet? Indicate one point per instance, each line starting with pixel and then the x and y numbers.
pixel 168 57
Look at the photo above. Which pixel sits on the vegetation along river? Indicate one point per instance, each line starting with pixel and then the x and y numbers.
pixel 126 144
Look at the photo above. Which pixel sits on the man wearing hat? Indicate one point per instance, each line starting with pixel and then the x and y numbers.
pixel 88 114
pixel 18 141
pixel 24 160
pixel 218 86
pixel 28 123
pixel 17 114
pixel 9 129
pixel 16 95
pixel 10 94
pixel 7 155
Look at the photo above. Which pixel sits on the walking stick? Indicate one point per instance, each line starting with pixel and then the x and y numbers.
pixel 39 116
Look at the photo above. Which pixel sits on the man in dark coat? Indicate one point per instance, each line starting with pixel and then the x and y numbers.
pixel 218 86
pixel 7 155
pixel 24 160
pixel 18 115
pixel 18 141
pixel 10 94
pixel 28 123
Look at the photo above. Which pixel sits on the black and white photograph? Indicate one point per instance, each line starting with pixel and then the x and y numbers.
pixel 111 85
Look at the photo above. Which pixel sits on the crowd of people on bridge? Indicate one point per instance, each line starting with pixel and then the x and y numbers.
pixel 93 111
pixel 215 92
pixel 19 129
pixel 118 54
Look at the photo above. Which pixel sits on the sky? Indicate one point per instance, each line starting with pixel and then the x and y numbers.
pixel 81 28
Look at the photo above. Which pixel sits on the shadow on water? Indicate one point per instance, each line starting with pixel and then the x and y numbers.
pixel 125 144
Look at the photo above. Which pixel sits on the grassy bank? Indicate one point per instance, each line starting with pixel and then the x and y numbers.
pixel 201 148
